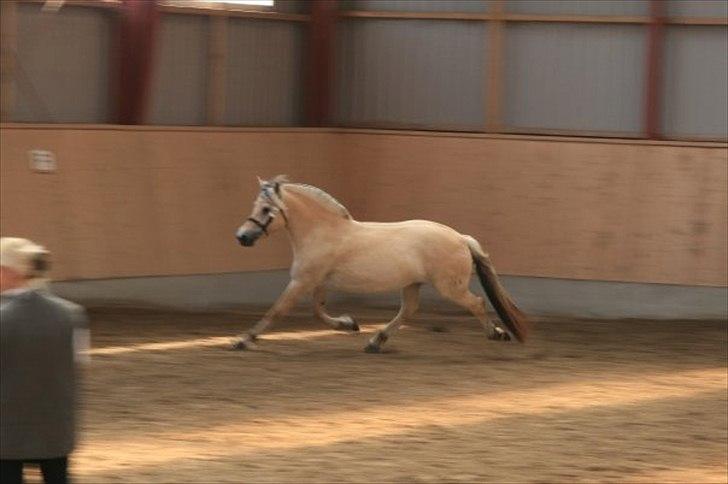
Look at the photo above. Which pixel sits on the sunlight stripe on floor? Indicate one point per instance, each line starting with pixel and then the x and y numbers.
pixel 715 474
pixel 250 438
pixel 223 340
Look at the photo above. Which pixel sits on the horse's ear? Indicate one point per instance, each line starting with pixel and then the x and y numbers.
pixel 277 188
pixel 261 182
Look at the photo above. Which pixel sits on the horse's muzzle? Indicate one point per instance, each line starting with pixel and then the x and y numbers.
pixel 247 240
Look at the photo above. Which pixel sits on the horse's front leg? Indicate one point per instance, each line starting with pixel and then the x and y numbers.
pixel 293 292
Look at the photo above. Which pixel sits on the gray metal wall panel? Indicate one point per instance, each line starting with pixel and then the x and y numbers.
pixel 264 74
pixel 580 77
pixel 696 82
pixel 180 71
pixel 63 65
pixel 418 5
pixel 417 72
pixel 697 8
pixel 580 7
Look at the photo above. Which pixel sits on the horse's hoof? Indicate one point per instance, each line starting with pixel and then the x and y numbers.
pixel 499 335
pixel 241 344
pixel 348 324
pixel 372 348
pixel 238 345
pixel 352 326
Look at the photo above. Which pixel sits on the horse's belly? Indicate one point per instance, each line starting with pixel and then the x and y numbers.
pixel 388 257
pixel 369 278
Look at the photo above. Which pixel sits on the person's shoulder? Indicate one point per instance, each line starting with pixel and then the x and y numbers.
pixel 76 311
pixel 59 302
pixel 20 306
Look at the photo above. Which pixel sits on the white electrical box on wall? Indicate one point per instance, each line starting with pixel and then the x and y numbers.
pixel 42 161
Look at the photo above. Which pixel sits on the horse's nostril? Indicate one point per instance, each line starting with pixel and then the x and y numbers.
pixel 246 240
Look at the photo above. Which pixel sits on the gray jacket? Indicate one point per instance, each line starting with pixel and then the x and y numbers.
pixel 38 375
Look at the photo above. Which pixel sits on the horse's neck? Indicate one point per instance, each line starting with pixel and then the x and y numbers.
pixel 307 217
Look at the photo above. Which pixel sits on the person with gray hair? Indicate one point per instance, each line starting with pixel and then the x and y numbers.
pixel 41 339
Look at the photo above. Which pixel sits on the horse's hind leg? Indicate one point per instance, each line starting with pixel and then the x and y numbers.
pixel 343 322
pixel 463 297
pixel 410 303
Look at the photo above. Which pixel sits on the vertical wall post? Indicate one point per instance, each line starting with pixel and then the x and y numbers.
pixel 494 81
pixel 138 23
pixel 217 70
pixel 320 62
pixel 8 52
pixel 653 84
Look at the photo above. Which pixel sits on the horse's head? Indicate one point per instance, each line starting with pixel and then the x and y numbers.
pixel 265 215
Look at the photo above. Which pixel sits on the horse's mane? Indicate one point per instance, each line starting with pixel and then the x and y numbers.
pixel 316 193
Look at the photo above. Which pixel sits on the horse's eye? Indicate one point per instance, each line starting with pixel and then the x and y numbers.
pixel 266 210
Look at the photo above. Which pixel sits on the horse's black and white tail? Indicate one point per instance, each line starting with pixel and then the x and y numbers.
pixel 512 317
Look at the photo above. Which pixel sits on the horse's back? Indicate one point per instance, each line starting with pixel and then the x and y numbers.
pixel 422 226
pixel 412 232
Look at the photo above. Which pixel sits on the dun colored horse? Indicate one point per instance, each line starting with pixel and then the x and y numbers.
pixel 332 251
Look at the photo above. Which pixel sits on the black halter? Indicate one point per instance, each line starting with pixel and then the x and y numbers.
pixel 271 217
pixel 263 226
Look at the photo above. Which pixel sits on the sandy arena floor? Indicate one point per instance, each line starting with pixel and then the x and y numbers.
pixel 583 401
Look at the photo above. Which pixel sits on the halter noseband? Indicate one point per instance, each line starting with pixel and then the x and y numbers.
pixel 271 217
pixel 263 226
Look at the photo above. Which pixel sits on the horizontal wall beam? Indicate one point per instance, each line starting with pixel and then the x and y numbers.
pixel 552 135
pixel 578 19
pixel 514 17
pixel 385 14
pixel 190 9
pixel 697 21
pixel 538 132
pixel 251 14
pixel 107 4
